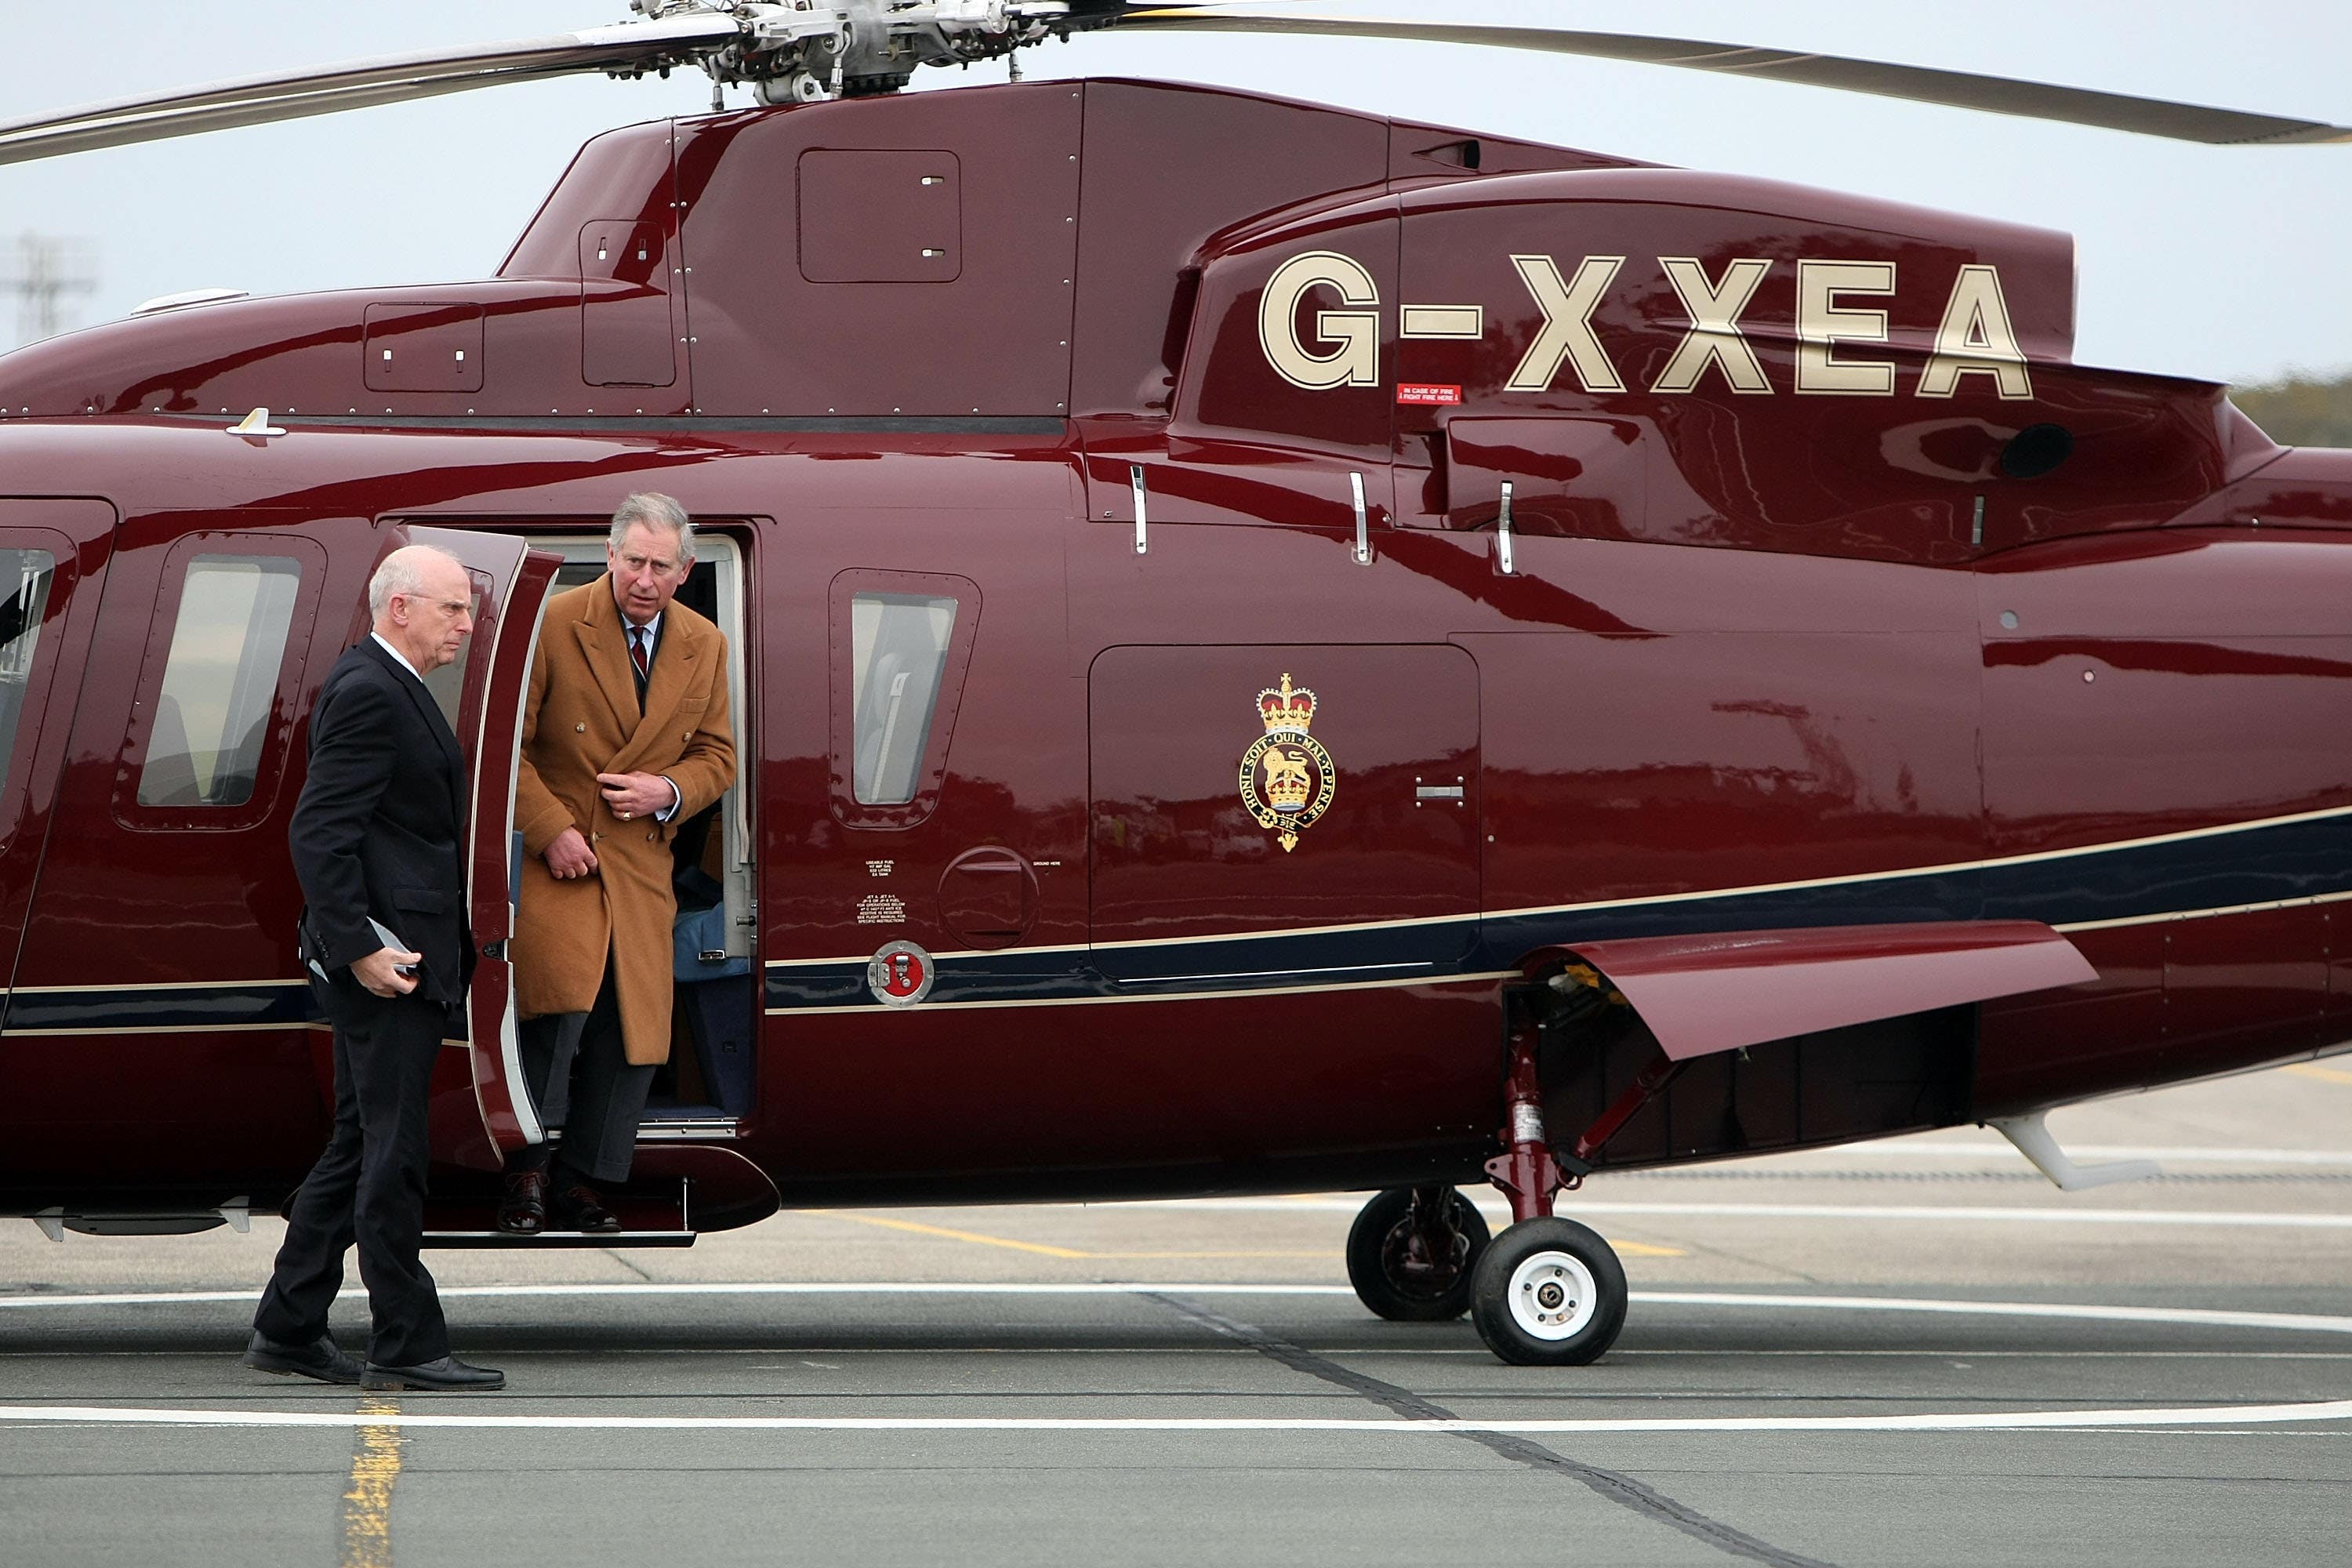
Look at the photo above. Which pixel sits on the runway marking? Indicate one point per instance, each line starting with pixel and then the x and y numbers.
pixel 367 1500
pixel 920 1230
pixel 1935 1421
pixel 2197 1317
pixel 1948 1148
pixel 2326 1075
pixel 1977 1213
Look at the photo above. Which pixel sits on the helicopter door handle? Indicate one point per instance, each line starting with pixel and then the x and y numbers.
pixel 1135 477
pixel 1363 521
pixel 1503 533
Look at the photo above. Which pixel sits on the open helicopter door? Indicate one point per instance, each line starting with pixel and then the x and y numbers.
pixel 482 1111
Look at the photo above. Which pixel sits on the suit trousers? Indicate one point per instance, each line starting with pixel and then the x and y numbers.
pixel 368 1186
pixel 581 1078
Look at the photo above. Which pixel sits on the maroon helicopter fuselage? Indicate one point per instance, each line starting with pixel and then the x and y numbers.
pixel 1831 594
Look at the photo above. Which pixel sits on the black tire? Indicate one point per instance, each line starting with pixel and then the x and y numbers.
pixel 1548 1292
pixel 1401 1283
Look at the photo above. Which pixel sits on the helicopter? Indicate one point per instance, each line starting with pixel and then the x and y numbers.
pixel 1276 646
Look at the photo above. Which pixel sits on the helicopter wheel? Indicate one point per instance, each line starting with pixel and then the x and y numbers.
pixel 1548 1292
pixel 1411 1253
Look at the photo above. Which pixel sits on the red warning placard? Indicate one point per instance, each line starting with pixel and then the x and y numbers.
pixel 1427 393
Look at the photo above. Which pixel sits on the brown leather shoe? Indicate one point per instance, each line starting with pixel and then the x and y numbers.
pixel 581 1209
pixel 522 1211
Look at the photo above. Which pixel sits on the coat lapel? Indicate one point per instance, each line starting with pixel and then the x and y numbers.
pixel 606 650
pixel 675 658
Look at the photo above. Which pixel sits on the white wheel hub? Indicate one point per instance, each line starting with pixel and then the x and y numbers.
pixel 1552 1296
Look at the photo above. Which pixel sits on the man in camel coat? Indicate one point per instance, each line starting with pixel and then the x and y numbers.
pixel 625 737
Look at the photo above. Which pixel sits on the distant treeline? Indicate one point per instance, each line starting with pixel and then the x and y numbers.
pixel 2299 413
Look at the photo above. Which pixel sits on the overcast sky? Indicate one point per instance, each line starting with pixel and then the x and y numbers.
pixel 2228 263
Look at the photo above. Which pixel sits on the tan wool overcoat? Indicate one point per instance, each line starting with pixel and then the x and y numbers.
pixel 580 719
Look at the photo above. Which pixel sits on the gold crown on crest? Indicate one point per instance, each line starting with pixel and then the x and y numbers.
pixel 1290 708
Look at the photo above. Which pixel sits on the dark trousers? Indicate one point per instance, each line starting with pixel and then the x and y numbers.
pixel 368 1187
pixel 581 1079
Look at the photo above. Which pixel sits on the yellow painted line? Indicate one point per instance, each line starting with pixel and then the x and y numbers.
pixel 1326 1256
pixel 367 1500
pixel 2325 1075
pixel 972 1236
pixel 1645 1250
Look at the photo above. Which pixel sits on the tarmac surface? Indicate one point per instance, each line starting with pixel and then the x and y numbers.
pixel 1916 1351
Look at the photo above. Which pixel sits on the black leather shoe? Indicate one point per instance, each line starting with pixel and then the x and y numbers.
pixel 321 1359
pixel 578 1205
pixel 448 1373
pixel 522 1211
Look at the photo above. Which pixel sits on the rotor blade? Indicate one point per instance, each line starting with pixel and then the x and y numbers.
pixel 354 84
pixel 1918 84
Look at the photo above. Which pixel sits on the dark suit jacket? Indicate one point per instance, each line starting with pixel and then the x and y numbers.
pixel 380 830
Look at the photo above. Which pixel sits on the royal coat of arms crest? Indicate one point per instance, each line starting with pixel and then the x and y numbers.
pixel 1287 779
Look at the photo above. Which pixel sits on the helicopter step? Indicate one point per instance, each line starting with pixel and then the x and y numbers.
pixel 662 1216
pixel 678 1192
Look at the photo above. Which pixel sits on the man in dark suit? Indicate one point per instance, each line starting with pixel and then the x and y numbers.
pixel 379 841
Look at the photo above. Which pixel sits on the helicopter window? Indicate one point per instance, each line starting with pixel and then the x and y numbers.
pixel 899 652
pixel 228 644
pixel 25 576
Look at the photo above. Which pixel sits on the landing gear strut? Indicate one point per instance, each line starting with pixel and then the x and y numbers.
pixel 1411 1253
pixel 1548 1291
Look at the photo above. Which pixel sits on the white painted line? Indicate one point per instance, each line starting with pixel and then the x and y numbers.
pixel 2306 1322
pixel 1949 1149
pixel 1980 1214
pixel 2188 1316
pixel 696 1288
pixel 1961 1421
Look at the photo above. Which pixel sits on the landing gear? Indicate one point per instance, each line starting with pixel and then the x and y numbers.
pixel 1546 1292
pixel 1411 1253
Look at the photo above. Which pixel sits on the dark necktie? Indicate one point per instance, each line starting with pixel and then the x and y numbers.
pixel 640 656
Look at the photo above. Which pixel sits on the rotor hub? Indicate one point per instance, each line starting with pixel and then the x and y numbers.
pixel 799 51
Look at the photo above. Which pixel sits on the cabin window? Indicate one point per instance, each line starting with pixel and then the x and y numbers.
pixel 901 643
pixel 899 650
pixel 25 577
pixel 229 646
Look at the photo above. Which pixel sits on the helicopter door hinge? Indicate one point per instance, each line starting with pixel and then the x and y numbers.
pixel 1503 533
pixel 1976 529
pixel 1135 477
pixel 1363 521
